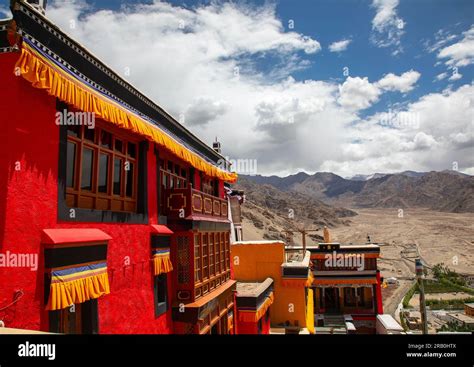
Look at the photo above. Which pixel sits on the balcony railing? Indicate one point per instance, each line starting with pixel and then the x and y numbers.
pixel 189 203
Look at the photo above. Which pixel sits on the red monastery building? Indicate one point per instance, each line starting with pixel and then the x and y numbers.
pixel 124 209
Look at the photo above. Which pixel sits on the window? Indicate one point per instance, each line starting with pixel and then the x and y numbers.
pixel 161 294
pixel 211 255
pixel 197 259
pixel 211 261
pixel 222 247
pixel 101 170
pixel 173 175
pixel 183 259
pixel 80 319
pixel 360 297
pixel 227 250
pixel 205 271
pixel 349 297
pixel 208 186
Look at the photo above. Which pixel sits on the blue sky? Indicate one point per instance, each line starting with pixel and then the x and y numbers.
pixel 291 92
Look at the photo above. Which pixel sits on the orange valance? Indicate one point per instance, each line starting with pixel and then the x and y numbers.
pixel 42 73
pixel 254 316
pixel 77 285
pixel 161 261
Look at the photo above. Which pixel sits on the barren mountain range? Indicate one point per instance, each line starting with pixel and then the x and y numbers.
pixel 448 191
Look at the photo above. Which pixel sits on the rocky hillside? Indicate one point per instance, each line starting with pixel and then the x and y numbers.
pixel 444 191
pixel 269 210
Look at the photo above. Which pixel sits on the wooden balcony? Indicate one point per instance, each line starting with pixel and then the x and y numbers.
pixel 190 204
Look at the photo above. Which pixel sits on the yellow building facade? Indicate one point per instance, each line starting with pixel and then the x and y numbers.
pixel 291 274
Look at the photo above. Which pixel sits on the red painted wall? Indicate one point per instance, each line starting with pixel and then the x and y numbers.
pixel 197 180
pixel 28 204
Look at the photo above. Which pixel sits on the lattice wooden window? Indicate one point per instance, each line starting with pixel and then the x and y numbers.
pixel 183 259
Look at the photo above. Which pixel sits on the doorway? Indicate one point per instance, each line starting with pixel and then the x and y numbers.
pixel 331 300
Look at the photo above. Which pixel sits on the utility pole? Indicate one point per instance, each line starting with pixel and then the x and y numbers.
pixel 303 232
pixel 419 278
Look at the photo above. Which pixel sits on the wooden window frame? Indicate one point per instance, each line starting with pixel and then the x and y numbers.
pixel 77 197
pixel 220 260
pixel 86 319
pixel 197 258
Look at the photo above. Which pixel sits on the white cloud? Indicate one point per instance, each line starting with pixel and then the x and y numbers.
pixel 339 45
pixel 441 38
pixel 441 76
pixel 203 72
pixel 455 76
pixel 429 134
pixel 388 27
pixel 461 53
pixel 403 83
pixel 204 110
pixel 358 93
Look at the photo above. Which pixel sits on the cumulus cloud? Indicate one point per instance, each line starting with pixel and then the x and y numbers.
pixel 428 134
pixel 401 83
pixel 388 27
pixel 358 93
pixel 339 46
pixel 195 61
pixel 204 110
pixel 460 53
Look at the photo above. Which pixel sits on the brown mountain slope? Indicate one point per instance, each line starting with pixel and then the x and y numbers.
pixel 271 210
pixel 444 191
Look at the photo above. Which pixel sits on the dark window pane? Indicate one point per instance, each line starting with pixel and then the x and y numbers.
pixel 119 145
pixel 105 139
pixel 74 130
pixel 183 173
pixel 87 166
pixel 176 169
pixel 161 291
pixel 129 173
pixel 132 150
pixel 103 172
pixel 117 176
pixel 170 166
pixel 89 134
pixel 71 164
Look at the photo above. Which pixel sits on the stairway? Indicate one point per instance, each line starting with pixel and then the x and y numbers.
pixel 334 321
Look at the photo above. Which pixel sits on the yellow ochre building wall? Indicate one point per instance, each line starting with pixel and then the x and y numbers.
pixel 260 260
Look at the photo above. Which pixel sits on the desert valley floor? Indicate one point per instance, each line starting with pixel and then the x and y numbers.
pixel 440 238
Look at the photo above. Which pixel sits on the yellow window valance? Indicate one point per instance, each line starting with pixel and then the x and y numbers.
pixel 161 261
pixel 77 285
pixel 44 74
pixel 254 316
